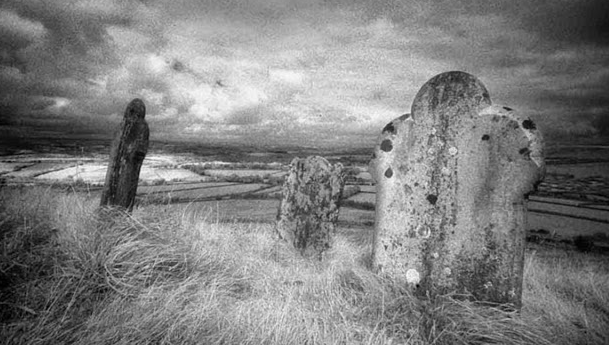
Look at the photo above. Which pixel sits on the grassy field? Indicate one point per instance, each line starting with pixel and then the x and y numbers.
pixel 72 275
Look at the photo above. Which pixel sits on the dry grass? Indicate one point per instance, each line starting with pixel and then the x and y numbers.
pixel 71 275
pixel 569 290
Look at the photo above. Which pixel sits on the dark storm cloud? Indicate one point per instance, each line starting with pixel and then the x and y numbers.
pixel 53 49
pixel 498 31
pixel 75 37
pixel 569 22
pixel 548 58
pixel 17 32
pixel 264 66
pixel 572 22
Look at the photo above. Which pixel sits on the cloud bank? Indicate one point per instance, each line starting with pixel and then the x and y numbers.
pixel 298 72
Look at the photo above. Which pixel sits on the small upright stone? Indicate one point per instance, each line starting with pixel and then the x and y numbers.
pixel 310 203
pixel 127 154
pixel 451 185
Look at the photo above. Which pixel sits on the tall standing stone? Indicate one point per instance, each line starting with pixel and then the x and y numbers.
pixel 310 203
pixel 128 151
pixel 451 186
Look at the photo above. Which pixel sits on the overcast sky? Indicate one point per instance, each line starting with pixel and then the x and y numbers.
pixel 293 70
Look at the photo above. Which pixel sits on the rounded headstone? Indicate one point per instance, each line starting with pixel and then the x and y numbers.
pixel 451 184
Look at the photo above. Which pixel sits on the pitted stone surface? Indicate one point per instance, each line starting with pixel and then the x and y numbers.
pixel 127 154
pixel 457 189
pixel 310 204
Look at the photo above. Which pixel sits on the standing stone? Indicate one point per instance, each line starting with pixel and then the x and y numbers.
pixel 309 206
pixel 128 151
pixel 451 186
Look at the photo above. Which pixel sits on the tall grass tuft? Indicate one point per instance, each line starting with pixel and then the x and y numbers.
pixel 73 274
pixel 569 290
pixel 61 261
pixel 455 320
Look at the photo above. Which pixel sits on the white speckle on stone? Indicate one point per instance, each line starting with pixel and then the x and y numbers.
pixel 447 271
pixel 488 285
pixel 412 276
pixel 433 130
pixel 435 255
pixel 453 151
pixel 431 151
pixel 445 171
pixel 427 233
pixel 495 110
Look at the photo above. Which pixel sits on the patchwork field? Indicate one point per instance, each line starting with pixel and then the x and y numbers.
pixel 242 172
pixel 572 201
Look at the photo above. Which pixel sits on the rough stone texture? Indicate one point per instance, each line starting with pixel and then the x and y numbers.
pixel 128 151
pixel 310 203
pixel 451 186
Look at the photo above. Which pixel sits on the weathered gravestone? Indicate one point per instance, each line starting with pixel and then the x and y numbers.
pixel 127 153
pixel 451 186
pixel 310 203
